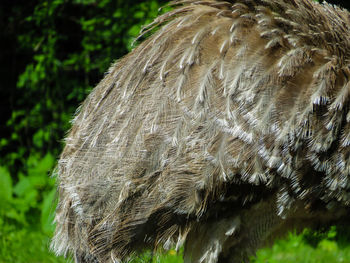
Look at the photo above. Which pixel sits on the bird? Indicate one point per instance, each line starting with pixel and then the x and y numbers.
pixel 225 128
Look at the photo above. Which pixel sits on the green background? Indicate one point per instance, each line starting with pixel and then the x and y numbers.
pixel 52 54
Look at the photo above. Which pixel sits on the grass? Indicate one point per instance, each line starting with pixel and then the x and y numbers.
pixel 24 245
pixel 20 245
pixel 299 248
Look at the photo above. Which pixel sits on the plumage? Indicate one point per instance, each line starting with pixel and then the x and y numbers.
pixel 221 131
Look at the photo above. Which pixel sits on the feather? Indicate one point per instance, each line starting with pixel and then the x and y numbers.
pixel 229 121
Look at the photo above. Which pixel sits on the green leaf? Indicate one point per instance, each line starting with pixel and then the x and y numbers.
pixel 15 215
pixel 47 212
pixel 4 142
pixel 134 30
pixel 117 13
pixel 40 167
pixel 139 14
pixel 23 186
pixel 5 184
pixel 46 163
pixel 38 138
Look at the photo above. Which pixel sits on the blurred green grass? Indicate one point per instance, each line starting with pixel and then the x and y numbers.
pixel 25 245
pixel 299 248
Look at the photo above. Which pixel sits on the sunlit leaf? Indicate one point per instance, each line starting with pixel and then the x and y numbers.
pixel 47 212
pixel 5 185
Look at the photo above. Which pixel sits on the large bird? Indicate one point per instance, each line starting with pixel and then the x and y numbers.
pixel 227 127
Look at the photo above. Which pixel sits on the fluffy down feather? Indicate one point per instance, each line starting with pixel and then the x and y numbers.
pixel 225 128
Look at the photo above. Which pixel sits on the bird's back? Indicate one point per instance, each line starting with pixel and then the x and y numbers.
pixel 223 127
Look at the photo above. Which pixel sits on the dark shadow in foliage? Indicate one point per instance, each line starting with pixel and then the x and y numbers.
pixel 341 3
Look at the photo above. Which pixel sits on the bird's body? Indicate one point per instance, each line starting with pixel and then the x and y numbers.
pixel 227 127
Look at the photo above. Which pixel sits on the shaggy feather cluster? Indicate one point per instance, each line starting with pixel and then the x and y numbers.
pixel 225 128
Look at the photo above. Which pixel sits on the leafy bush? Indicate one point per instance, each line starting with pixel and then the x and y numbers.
pixel 26 212
pixel 32 196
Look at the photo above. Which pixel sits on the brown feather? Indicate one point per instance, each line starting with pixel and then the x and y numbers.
pixel 224 129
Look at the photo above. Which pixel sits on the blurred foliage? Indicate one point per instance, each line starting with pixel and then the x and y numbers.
pixel 56 51
pixel 325 246
pixel 53 53
pixel 60 50
pixel 32 195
